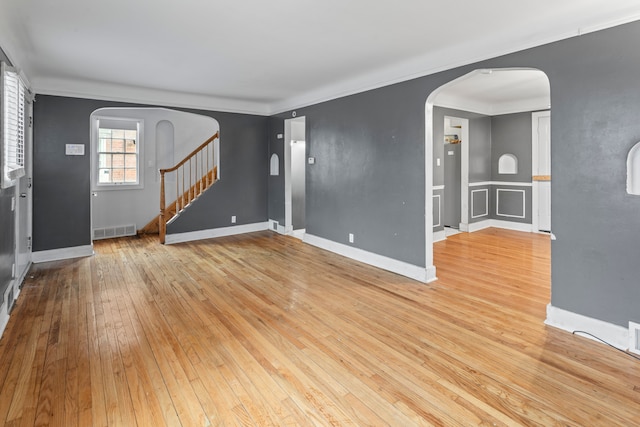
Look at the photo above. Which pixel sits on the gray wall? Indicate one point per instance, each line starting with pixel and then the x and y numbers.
pixel 242 191
pixel 275 126
pixel 7 227
pixel 61 204
pixel 479 143
pixel 369 176
pixel 481 200
pixel 511 133
pixel 480 149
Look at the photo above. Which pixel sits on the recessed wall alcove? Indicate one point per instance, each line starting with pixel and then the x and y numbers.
pixel 633 170
pixel 508 164
pixel 274 168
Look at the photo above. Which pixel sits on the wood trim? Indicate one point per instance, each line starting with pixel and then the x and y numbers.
pixel 541 177
pixel 153 227
pixel 190 155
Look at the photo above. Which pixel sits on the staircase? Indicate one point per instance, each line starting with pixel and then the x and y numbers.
pixel 193 175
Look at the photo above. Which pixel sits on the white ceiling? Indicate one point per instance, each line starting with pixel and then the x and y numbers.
pixel 268 56
pixel 501 91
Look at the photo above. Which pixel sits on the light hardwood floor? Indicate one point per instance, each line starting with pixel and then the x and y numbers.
pixel 263 330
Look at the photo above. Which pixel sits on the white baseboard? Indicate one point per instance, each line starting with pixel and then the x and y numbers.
pixel 215 232
pixel 63 253
pixel 415 272
pixel 298 234
pixel 4 309
pixel 497 223
pixel 4 318
pixel 615 335
pixel 439 236
pixel 509 225
pixel 480 225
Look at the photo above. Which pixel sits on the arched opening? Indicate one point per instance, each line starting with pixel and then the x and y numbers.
pixel 477 178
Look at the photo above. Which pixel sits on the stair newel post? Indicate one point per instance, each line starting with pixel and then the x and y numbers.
pixel 162 224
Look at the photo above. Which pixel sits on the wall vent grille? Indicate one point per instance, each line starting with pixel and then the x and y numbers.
pixel 10 301
pixel 111 232
pixel 274 225
pixel 634 337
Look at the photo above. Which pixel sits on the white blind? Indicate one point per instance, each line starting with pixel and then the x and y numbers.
pixel 13 126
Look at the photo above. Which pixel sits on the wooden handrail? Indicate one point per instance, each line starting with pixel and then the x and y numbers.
pixel 190 155
pixel 199 180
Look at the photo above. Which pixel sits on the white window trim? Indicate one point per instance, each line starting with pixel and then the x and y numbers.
pixel 9 178
pixel 95 185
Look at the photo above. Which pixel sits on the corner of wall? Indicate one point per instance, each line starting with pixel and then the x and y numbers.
pixel 615 335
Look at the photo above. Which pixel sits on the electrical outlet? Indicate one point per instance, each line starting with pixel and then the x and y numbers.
pixel 233 219
pixel 350 237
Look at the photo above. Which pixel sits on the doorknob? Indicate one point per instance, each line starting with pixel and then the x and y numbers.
pixel 23 195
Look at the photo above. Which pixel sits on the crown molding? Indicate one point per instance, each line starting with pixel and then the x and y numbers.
pixel 138 95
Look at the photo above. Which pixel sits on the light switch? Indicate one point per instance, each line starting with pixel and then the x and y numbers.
pixel 312 160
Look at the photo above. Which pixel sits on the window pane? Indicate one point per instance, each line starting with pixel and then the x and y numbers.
pixel 117 175
pixel 130 145
pixel 131 134
pixel 131 175
pixel 104 161
pixel 104 133
pixel 117 133
pixel 117 146
pixel 130 161
pixel 104 145
pixel 104 176
pixel 117 160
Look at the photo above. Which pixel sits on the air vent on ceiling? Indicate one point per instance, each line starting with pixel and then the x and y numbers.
pixel 634 337
pixel 110 232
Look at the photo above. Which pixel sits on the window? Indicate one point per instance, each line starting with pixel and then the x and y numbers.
pixel 13 93
pixel 117 153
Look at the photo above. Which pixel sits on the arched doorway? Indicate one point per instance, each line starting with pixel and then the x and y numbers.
pixel 482 93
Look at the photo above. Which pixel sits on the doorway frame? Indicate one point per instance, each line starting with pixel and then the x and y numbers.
pixel 428 151
pixel 535 188
pixel 288 196
pixel 464 172
pixel 24 186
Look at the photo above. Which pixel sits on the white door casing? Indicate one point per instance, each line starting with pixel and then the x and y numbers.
pixel 24 208
pixel 541 166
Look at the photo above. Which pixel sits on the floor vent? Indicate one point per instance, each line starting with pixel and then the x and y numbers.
pixel 274 225
pixel 634 337
pixel 110 232
pixel 10 301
